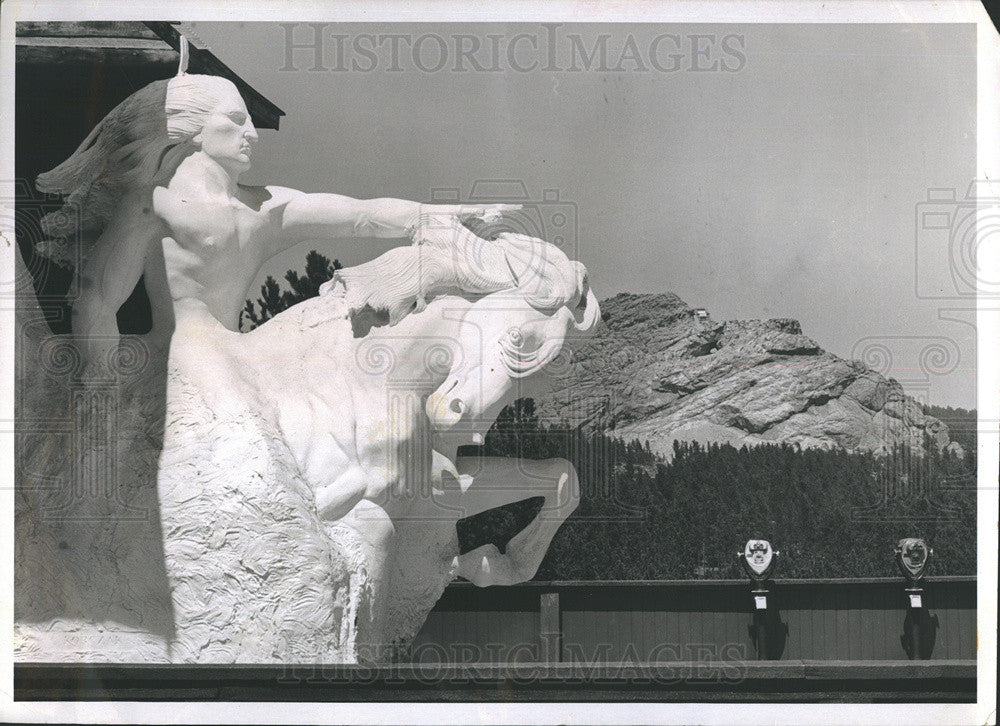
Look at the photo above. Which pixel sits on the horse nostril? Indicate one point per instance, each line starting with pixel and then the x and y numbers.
pixel 457 406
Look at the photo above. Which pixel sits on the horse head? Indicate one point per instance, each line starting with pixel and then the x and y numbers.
pixel 510 335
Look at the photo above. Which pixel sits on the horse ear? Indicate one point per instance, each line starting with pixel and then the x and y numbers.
pixel 591 314
pixel 582 284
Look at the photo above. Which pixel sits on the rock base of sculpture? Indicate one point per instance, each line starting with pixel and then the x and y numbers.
pixel 207 550
pixel 250 569
pixel 245 571
pixel 89 579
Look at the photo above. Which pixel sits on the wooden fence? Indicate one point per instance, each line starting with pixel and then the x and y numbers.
pixel 841 640
pixel 700 620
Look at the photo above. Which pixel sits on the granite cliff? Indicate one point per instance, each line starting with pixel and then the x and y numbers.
pixel 661 371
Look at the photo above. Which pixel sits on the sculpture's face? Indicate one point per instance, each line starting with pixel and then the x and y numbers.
pixel 228 134
pixel 504 341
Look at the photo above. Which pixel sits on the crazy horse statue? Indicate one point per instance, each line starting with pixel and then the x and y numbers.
pixel 288 494
pixel 366 427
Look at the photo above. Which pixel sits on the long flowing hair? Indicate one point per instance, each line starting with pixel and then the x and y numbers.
pixel 139 143
pixel 404 279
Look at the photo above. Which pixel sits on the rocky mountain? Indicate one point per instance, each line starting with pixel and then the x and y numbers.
pixel 662 371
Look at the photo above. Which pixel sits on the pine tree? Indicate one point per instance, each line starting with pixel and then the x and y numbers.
pixel 274 300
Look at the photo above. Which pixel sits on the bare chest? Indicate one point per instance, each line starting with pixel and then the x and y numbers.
pixel 210 228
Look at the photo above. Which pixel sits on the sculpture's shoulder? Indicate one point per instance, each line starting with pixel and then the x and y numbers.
pixel 187 215
pixel 165 202
pixel 268 203
pixel 270 198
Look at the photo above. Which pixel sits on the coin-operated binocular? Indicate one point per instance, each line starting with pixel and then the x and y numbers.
pixel 766 630
pixel 919 627
pixel 912 557
pixel 758 559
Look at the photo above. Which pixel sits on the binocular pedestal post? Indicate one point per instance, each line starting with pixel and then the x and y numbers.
pixel 760 622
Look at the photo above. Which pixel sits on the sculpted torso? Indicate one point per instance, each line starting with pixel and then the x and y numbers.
pixel 216 246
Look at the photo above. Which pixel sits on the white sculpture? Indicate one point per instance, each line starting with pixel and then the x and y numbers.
pixel 352 412
pixel 309 482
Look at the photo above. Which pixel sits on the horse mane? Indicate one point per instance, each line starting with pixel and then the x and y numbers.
pixel 404 279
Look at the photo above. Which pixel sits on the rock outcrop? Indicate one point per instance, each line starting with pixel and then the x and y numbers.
pixel 659 371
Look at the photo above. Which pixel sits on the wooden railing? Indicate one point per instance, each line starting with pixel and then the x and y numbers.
pixel 842 640
pixel 699 620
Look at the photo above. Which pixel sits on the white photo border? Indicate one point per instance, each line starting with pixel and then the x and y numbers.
pixel 770 11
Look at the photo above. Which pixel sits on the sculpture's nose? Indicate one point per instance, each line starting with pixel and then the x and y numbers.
pixel 444 411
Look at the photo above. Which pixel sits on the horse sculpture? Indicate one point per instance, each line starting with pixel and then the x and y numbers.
pixel 302 506
pixel 373 386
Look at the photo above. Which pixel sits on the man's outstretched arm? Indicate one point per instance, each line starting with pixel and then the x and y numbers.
pixel 307 216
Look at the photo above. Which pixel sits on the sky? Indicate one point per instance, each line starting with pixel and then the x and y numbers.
pixel 757 171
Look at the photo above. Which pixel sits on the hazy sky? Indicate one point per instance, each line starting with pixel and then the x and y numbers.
pixel 785 183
